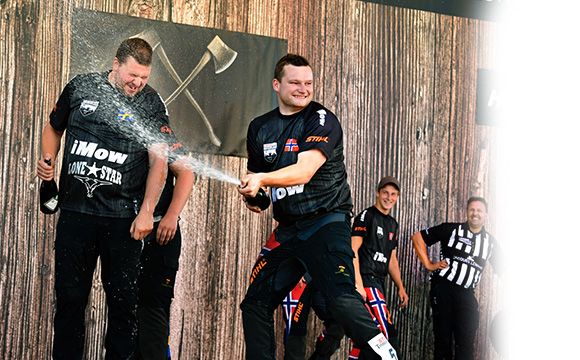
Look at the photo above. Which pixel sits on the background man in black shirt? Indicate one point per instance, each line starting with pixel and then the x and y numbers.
pixel 113 171
pixel 375 238
pixel 465 250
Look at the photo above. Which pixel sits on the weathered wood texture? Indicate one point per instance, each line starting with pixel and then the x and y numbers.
pixel 402 83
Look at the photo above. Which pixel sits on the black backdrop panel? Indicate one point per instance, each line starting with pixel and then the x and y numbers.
pixel 211 114
pixel 475 9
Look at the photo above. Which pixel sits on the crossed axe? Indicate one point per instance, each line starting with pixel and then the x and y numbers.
pixel 222 56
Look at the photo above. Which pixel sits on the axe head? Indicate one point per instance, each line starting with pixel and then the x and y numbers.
pixel 150 36
pixel 221 54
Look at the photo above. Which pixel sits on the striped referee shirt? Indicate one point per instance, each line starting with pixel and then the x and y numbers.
pixel 465 252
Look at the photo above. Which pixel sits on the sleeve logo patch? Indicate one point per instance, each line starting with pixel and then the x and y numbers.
pixel 321 117
pixel 317 139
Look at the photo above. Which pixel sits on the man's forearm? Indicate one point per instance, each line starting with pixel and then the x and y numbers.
pixel 395 273
pixel 155 183
pixel 50 141
pixel 421 249
pixel 182 190
pixel 296 174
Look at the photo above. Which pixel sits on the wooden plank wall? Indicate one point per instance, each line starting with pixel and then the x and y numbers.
pixel 402 83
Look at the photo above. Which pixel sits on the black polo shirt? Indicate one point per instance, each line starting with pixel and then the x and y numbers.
pixel 274 142
pixel 105 159
pixel 380 235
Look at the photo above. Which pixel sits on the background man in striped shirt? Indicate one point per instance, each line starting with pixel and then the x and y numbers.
pixel 465 250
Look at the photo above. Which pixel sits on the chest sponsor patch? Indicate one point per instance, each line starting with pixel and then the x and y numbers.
pixel 270 152
pixel 380 232
pixel 88 107
pixel 465 241
pixel 291 145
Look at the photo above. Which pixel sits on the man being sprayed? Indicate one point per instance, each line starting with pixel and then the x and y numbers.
pixel 111 178
pixel 296 150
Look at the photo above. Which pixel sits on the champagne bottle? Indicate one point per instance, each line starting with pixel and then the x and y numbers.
pixel 48 195
pixel 261 200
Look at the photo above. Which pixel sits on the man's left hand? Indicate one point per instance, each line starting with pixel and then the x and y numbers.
pixel 166 229
pixel 142 225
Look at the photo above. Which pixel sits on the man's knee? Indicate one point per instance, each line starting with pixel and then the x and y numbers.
pixel 349 311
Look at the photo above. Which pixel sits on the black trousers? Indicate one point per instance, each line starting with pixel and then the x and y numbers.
pixel 80 240
pixel 321 247
pixel 455 320
pixel 295 345
pixel 159 265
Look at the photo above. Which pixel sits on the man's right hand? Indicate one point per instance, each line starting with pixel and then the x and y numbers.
pixel 43 170
pixel 438 265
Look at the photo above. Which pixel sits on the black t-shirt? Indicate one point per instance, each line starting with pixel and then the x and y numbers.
pixel 466 252
pixel 274 142
pixel 105 159
pixel 380 235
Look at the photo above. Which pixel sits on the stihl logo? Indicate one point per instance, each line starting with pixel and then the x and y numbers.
pixel 91 150
pixel 298 311
pixel 257 270
pixel 380 257
pixel 317 139
pixel 281 193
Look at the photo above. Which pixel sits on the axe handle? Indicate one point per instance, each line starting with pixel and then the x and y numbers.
pixel 173 73
pixel 202 62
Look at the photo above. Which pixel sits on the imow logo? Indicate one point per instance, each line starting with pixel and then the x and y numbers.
pixel 281 193
pixel 91 150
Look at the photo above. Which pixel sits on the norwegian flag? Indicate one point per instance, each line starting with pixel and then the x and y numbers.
pixel 376 301
pixel 290 303
pixel 291 145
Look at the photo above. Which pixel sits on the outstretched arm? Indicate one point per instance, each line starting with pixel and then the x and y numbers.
pixel 296 174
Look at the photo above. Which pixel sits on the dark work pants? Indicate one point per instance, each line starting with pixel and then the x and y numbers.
pixel 80 240
pixel 159 264
pixel 455 319
pixel 327 343
pixel 323 249
pixel 295 345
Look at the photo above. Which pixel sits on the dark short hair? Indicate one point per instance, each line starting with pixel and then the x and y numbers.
pixel 289 59
pixel 477 198
pixel 137 48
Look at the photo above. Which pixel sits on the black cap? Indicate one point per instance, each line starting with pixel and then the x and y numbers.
pixel 388 180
